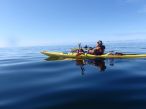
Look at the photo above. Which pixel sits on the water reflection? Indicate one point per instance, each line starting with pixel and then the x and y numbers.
pixel 54 58
pixel 81 63
pixel 99 63
pixel 111 62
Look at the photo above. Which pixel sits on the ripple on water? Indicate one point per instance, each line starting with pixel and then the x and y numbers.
pixel 30 83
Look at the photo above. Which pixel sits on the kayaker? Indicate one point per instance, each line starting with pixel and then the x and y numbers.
pixel 98 50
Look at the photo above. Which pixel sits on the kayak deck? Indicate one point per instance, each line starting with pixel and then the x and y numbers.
pixel 90 56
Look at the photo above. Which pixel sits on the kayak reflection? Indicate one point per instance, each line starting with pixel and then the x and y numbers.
pixel 99 63
pixel 51 58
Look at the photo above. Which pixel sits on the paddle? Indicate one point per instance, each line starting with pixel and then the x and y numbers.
pixel 80 51
pixel 80 47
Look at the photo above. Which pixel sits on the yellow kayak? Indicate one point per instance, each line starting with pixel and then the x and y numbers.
pixel 90 56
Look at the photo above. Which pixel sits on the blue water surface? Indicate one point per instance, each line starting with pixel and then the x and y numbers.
pixel 28 81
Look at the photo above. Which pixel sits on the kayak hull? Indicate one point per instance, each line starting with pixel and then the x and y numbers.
pixel 90 56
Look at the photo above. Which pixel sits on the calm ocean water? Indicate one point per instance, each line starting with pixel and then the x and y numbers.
pixel 28 81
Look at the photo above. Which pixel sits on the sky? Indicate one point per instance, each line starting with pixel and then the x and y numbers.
pixel 62 22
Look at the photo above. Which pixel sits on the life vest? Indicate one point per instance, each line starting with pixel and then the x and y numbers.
pixel 99 50
pixel 102 49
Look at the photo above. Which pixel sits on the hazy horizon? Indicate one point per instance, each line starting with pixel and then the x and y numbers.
pixel 134 41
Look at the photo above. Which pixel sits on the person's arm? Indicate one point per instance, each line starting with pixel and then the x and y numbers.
pixel 97 48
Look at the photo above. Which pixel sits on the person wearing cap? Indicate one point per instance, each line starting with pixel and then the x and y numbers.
pixel 99 49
